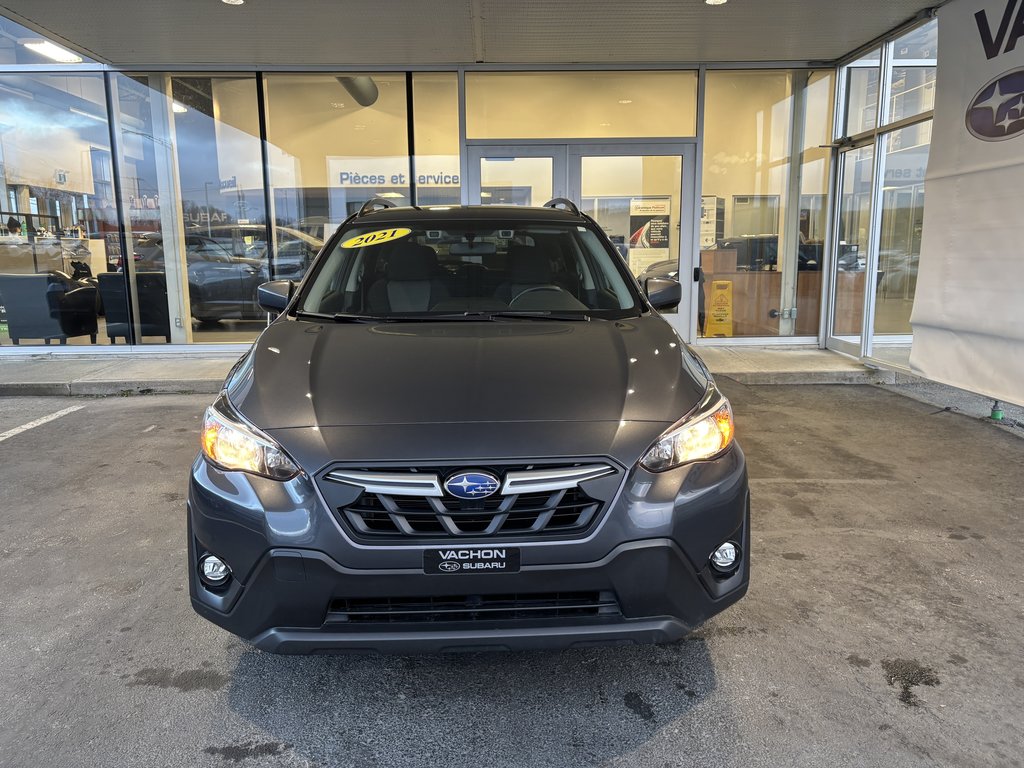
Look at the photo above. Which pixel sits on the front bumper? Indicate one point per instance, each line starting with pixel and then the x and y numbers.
pixel 291 562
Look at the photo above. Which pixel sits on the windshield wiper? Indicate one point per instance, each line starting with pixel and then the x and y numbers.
pixel 539 314
pixel 340 317
pixel 427 317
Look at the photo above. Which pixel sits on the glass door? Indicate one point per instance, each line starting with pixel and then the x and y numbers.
pixel 642 195
pixel 850 254
pixel 516 175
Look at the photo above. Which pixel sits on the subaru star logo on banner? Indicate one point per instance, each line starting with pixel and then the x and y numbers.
pixel 968 313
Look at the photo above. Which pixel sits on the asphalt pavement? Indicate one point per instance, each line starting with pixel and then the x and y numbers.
pixel 883 626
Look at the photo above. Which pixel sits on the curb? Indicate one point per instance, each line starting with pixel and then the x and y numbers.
pixel 111 388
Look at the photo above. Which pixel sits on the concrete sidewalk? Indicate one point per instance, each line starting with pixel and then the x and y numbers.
pixel 202 373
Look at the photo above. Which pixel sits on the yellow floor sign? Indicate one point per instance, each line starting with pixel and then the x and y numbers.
pixel 719 322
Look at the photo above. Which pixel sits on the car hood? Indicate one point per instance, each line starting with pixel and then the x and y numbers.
pixel 304 374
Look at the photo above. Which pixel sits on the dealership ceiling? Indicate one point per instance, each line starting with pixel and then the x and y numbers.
pixel 268 33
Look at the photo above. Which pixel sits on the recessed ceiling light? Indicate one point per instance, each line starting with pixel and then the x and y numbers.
pixel 52 51
pixel 625 101
pixel 338 104
pixel 232 2
pixel 605 125
pixel 709 2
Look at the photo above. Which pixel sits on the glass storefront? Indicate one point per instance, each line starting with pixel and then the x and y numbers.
pixel 435 119
pixel 333 143
pixel 161 200
pixel 574 105
pixel 60 233
pixel 763 203
pixel 880 214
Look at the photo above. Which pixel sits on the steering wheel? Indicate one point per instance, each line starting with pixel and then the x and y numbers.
pixel 536 288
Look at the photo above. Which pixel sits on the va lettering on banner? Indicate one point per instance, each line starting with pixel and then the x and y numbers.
pixel 968 314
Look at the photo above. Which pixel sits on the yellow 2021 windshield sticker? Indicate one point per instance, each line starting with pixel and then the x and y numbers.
pixel 376 238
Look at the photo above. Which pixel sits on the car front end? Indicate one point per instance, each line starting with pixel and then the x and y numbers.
pixel 467 484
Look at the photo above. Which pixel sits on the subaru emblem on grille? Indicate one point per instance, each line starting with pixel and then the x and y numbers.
pixel 471 485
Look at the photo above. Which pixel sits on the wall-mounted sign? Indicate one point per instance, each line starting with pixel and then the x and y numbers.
pixel 649 221
pixel 393 171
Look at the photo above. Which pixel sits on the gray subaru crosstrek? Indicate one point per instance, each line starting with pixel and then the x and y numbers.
pixel 467 428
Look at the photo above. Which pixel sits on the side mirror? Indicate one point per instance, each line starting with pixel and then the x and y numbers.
pixel 275 295
pixel 663 292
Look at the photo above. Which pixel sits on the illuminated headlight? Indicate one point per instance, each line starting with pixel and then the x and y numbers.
pixel 231 444
pixel 704 435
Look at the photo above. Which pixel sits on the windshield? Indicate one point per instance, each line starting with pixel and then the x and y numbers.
pixel 455 267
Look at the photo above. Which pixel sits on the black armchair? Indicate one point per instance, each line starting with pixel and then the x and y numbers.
pixel 151 289
pixel 46 307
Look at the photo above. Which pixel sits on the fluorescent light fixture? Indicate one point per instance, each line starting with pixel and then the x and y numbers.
pixel 91 115
pixel 625 101
pixel 390 194
pixel 179 108
pixel 709 2
pixel 486 194
pixel 232 2
pixel 51 51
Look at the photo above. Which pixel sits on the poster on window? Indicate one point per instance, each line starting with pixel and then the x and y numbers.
pixel 649 219
pixel 968 316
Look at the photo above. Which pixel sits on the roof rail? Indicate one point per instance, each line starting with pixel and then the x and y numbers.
pixel 564 201
pixel 374 204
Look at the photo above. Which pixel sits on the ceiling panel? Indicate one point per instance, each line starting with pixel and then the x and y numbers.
pixel 129 33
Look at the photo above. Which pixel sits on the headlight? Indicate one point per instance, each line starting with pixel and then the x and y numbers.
pixel 703 436
pixel 233 445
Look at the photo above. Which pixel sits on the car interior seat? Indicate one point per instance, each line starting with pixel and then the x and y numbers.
pixel 411 283
pixel 528 267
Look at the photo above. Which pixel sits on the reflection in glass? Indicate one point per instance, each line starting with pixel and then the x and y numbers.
pixel 333 144
pixel 192 181
pixel 912 90
pixel 744 233
pixel 857 168
pixel 436 137
pixel 861 107
pixel 516 180
pixel 904 166
pixel 58 221
pixel 809 245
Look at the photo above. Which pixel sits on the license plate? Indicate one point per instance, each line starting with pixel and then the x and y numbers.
pixel 471 560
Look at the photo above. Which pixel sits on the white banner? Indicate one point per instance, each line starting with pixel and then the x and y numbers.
pixel 968 312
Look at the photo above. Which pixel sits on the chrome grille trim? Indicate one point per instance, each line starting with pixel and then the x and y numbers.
pixel 390 483
pixel 543 480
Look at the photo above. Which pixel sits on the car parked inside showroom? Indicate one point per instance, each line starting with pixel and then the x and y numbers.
pixel 467 428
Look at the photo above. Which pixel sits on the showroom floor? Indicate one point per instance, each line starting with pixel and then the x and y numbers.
pixel 882 628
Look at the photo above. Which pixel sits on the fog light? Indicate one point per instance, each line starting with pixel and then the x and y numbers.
pixel 725 557
pixel 214 571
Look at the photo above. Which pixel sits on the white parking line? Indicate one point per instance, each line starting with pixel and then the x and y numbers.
pixel 38 422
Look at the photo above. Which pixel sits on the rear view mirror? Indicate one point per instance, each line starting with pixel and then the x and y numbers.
pixel 275 295
pixel 663 292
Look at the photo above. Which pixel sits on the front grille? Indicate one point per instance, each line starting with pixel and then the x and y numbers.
pixel 556 512
pixel 533 500
pixel 511 607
